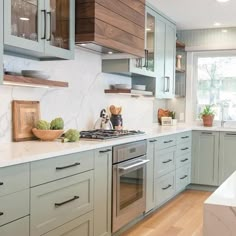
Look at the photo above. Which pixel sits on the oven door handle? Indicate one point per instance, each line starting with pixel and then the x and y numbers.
pixel 140 163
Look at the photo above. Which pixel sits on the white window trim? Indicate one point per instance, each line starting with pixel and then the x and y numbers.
pixel 191 83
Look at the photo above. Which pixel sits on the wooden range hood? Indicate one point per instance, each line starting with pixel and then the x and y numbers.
pixel 111 25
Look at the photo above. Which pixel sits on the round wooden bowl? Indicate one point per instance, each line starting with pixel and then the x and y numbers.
pixel 47 135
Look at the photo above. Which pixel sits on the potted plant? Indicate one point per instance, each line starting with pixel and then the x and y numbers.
pixel 207 116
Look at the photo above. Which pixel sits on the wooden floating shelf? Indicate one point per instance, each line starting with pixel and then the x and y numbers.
pixel 180 44
pixel 179 70
pixel 131 92
pixel 32 82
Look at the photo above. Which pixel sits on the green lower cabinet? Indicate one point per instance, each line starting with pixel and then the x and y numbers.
pixel 205 152
pixel 102 192
pixel 227 158
pixel 1 42
pixel 19 227
pixel 82 226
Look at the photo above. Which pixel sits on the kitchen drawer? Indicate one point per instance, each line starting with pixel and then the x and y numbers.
pixel 183 148
pixel 58 202
pixel 16 228
pixel 82 226
pixel 14 206
pixel 183 177
pixel 164 161
pixel 56 168
pixel 166 141
pixel 14 179
pixel 183 160
pixel 164 188
pixel 184 137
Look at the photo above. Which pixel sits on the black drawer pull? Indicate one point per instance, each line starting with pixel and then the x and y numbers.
pixel 210 133
pixel 170 141
pixel 164 162
pixel 65 167
pixel 184 137
pixel 230 134
pixel 153 141
pixel 167 187
pixel 184 160
pixel 104 151
pixel 1 213
pixel 183 149
pixel 184 177
pixel 1 183
pixel 70 200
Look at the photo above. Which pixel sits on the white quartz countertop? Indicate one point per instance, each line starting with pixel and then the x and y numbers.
pixel 22 152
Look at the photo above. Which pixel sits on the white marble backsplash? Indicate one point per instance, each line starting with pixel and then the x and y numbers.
pixel 80 104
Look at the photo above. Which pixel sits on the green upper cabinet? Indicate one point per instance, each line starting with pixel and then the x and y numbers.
pixel 227 158
pixel 165 57
pixel 205 153
pixel 1 42
pixel 39 28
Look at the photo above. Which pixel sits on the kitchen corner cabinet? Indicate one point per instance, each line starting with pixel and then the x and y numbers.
pixel 102 192
pixel 1 42
pixel 227 159
pixel 205 157
pixel 42 29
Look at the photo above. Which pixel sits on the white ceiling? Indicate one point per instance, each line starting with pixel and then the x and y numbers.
pixel 198 14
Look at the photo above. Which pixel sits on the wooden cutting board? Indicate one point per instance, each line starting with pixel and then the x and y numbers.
pixel 25 114
pixel 162 113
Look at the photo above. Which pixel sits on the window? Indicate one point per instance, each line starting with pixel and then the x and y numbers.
pixel 215 81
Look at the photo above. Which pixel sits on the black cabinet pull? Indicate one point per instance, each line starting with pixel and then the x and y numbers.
pixel 184 177
pixel 104 151
pixel 44 31
pixel 164 162
pixel 183 149
pixel 1 213
pixel 170 141
pixel 65 167
pixel 231 134
pixel 207 133
pixel 184 160
pixel 185 137
pixel 70 200
pixel 153 141
pixel 167 187
pixel 50 23
pixel 1 183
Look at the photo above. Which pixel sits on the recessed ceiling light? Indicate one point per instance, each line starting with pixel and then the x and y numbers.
pixel 217 24
pixel 24 18
pixel 83 44
pixel 148 29
pixel 224 30
pixel 110 52
pixel 222 0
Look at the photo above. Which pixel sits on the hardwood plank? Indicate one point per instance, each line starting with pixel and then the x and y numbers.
pixel 137 5
pixel 182 216
pixel 101 13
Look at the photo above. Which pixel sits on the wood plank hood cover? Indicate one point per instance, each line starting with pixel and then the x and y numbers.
pixel 115 24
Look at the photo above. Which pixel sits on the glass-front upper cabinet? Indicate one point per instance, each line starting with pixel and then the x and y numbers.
pixel 40 28
pixel 147 65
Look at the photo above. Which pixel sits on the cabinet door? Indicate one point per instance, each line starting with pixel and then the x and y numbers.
pixel 1 42
pixel 60 28
pixel 150 194
pixel 205 157
pixel 102 192
pixel 24 25
pixel 170 61
pixel 227 158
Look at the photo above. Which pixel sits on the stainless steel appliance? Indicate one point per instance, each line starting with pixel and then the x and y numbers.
pixel 129 182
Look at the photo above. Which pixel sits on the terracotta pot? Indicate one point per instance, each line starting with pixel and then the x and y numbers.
pixel 208 120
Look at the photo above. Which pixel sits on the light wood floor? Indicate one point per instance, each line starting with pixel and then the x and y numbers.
pixel 183 216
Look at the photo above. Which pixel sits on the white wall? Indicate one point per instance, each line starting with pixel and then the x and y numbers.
pixel 80 104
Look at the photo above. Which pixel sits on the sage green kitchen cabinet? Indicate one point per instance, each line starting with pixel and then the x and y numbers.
pixel 227 158
pixel 205 154
pixel 102 191
pixel 150 191
pixel 1 42
pixel 42 29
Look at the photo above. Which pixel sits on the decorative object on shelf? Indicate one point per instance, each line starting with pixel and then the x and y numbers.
pixel 178 62
pixel 121 86
pixel 207 115
pixel 35 74
pixel 25 115
pixel 139 87
pixel 116 118
pixel 103 121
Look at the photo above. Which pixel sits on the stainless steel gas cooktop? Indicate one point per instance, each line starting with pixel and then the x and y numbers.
pixel 108 134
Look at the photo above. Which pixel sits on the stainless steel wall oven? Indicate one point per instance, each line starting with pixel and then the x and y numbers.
pixel 129 182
